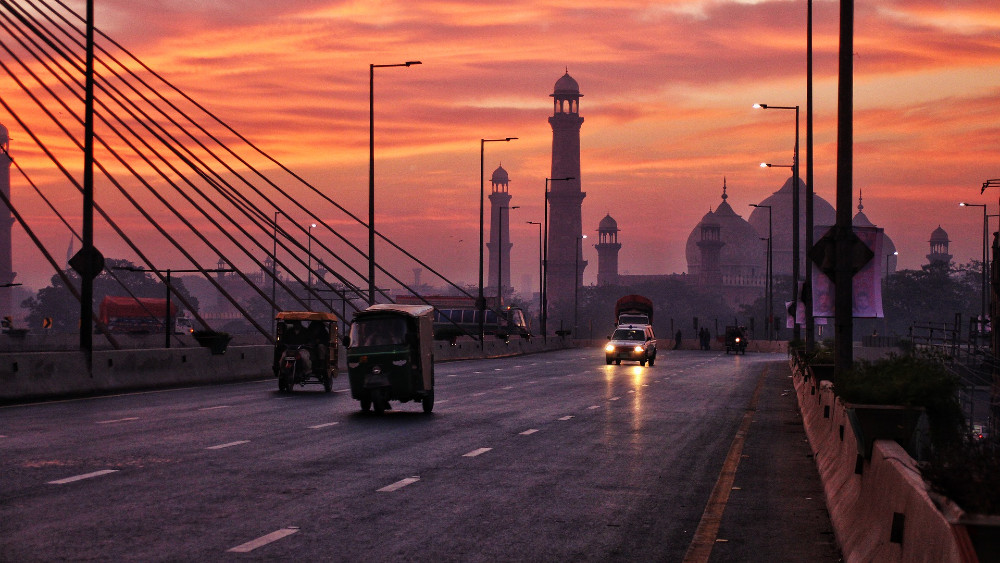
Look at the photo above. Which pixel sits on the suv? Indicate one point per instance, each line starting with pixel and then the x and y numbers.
pixel 631 342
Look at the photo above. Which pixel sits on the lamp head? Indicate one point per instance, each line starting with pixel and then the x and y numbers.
pixel 760 106
pixel 408 63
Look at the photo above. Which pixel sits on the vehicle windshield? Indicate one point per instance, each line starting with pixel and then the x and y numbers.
pixel 625 334
pixel 378 331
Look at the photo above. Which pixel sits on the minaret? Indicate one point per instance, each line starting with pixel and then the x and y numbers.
pixel 499 245
pixel 6 223
pixel 939 248
pixel 711 247
pixel 565 254
pixel 607 251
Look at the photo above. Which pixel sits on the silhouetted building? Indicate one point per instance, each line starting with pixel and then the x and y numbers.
pixel 939 248
pixel 565 261
pixel 499 231
pixel 607 251
pixel 888 259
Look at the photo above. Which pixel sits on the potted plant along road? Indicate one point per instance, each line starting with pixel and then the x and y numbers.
pixel 215 341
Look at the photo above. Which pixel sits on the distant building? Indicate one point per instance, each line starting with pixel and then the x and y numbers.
pixel 939 248
pixel 500 244
pixel 887 262
pixel 607 251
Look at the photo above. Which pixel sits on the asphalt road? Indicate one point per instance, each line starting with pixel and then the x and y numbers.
pixel 551 457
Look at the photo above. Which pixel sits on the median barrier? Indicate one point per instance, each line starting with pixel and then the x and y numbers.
pixel 880 507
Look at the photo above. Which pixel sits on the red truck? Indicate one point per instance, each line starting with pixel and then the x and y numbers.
pixel 633 309
pixel 134 315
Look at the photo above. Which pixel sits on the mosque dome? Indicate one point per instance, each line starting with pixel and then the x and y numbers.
pixel 888 247
pixel 608 225
pixel 566 85
pixel 824 215
pixel 939 236
pixel 743 254
pixel 500 176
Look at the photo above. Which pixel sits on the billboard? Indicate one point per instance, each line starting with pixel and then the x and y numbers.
pixel 866 284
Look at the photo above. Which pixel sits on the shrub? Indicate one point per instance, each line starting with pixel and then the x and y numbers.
pixel 969 474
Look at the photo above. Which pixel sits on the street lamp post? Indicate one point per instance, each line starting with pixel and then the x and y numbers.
pixel 770 282
pixel 371 174
pixel 481 300
pixel 545 255
pixel 544 337
pixel 982 309
pixel 576 282
pixel 274 273
pixel 795 219
pixel 309 269
pixel 500 251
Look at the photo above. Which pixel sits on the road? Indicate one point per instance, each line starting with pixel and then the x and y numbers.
pixel 551 457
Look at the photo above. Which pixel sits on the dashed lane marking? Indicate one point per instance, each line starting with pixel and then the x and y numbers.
pixel 592 407
pixel 228 445
pixel 477 452
pixel 398 485
pixel 318 426
pixel 264 540
pixel 529 432
pixel 82 477
pixel 567 417
pixel 117 420
pixel 614 398
pixel 507 388
pixel 214 408
pixel 480 394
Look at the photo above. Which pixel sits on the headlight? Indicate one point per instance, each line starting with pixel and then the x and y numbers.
pixel 609 348
pixel 737 339
pixel 377 370
pixel 640 349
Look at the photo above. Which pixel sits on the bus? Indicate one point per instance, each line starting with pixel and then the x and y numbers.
pixel 456 316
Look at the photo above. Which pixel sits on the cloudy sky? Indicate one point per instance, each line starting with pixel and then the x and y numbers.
pixel 668 88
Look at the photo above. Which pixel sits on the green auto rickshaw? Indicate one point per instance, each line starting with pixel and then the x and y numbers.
pixel 390 356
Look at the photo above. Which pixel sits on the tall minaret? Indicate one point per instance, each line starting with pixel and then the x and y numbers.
pixel 499 231
pixel 607 251
pixel 565 260
pixel 6 222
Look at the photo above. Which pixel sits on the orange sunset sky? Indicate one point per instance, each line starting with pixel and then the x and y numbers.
pixel 668 88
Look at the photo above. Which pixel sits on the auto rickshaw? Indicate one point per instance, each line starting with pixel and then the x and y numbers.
pixel 306 350
pixel 736 339
pixel 390 356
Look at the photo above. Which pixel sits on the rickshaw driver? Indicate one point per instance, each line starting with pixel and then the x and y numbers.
pixel 318 340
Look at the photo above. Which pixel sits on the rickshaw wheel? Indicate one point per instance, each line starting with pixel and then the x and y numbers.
pixel 328 383
pixel 377 402
pixel 366 405
pixel 428 402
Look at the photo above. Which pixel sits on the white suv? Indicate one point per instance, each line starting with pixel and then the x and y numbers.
pixel 633 343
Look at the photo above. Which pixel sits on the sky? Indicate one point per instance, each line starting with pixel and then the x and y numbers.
pixel 668 92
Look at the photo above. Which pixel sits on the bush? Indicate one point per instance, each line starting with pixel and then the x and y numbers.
pixel 912 381
pixel 969 474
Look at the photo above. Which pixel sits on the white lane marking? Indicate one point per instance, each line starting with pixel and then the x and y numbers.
pixel 592 407
pixel 529 432
pixel 264 540
pixel 82 477
pixel 318 426
pixel 228 445
pixel 452 375
pixel 507 388
pixel 479 394
pixel 497 369
pixel 398 485
pixel 2 436
pixel 631 390
pixel 477 372
pixel 614 398
pixel 439 401
pixel 117 420
pixel 476 452
pixel 341 390
pixel 214 408
pixel 566 417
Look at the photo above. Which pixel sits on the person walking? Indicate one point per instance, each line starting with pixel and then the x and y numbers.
pixel 677 340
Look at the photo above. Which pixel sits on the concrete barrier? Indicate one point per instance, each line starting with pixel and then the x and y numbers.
pixel 880 508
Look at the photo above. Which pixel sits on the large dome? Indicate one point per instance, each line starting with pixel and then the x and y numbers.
pixel 781 224
pixel 743 255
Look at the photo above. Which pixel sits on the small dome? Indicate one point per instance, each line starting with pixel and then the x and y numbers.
pixel 939 235
pixel 566 86
pixel 500 176
pixel 608 225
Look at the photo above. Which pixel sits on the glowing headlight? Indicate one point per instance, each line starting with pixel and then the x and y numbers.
pixel 737 339
pixel 609 348
pixel 640 349
pixel 377 370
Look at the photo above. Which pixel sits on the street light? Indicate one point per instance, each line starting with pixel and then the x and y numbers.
pixel 309 268
pixel 982 311
pixel 576 282
pixel 274 273
pixel 770 283
pixel 545 255
pixel 371 174
pixel 481 300
pixel 500 251
pixel 544 337
pixel 795 216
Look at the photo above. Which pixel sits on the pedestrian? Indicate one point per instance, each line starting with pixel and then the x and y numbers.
pixel 677 340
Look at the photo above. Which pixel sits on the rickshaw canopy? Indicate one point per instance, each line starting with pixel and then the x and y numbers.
pixel 305 316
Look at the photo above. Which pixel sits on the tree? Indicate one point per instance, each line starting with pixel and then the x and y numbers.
pixel 56 300
pixel 932 294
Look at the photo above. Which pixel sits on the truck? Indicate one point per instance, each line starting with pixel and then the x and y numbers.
pixel 135 315
pixel 633 309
